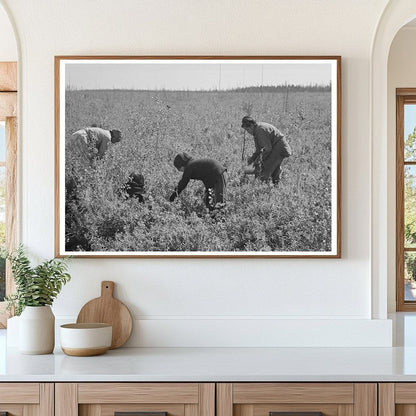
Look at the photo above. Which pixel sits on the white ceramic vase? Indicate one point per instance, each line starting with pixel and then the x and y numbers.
pixel 37 330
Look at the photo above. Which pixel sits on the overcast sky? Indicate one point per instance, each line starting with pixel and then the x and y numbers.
pixel 409 119
pixel 194 75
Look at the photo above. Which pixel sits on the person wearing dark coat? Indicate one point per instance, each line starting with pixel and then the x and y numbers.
pixel 209 171
pixel 271 149
pixel 134 187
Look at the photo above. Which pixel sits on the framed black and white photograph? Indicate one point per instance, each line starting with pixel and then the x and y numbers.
pixel 198 156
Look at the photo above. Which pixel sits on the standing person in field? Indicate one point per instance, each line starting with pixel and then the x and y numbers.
pixel 93 142
pixel 271 149
pixel 209 171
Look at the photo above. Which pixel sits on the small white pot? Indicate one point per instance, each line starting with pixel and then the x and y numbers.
pixel 37 330
pixel 85 339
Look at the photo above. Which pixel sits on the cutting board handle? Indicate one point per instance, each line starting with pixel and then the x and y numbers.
pixel 107 289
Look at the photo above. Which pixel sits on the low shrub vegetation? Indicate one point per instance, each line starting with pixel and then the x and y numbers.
pixel 156 125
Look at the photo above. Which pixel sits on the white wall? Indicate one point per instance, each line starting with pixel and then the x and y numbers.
pixel 203 302
pixel 8 46
pixel 401 74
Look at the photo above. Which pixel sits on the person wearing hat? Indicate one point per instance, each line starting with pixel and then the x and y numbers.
pixel 209 171
pixel 271 149
pixel 94 141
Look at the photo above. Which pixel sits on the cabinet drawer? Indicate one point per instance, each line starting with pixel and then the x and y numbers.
pixel 293 392
pixel 148 399
pixel 19 393
pixel 138 393
pixel 296 399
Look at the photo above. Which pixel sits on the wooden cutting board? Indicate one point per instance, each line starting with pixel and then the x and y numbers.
pixel 109 310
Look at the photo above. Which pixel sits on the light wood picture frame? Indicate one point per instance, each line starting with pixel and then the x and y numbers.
pixel 178 182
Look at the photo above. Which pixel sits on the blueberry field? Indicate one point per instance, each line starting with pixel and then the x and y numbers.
pixel 294 216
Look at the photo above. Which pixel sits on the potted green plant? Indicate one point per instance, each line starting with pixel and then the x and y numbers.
pixel 36 289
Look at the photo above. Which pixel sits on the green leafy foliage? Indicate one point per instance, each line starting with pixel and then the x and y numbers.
pixel 294 216
pixel 410 192
pixel 410 206
pixel 38 285
pixel 410 146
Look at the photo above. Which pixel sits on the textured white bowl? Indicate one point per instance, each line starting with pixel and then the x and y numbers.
pixel 85 339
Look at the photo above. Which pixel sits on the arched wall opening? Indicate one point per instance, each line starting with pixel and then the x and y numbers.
pixel 396 15
pixel 401 74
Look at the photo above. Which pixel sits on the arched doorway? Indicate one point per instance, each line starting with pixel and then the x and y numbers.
pixel 395 16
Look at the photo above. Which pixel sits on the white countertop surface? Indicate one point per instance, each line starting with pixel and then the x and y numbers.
pixel 215 364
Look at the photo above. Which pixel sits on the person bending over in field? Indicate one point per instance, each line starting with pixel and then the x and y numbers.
pixel 134 187
pixel 93 142
pixel 271 149
pixel 209 171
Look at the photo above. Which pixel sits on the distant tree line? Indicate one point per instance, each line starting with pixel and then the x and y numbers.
pixel 262 88
pixel 285 88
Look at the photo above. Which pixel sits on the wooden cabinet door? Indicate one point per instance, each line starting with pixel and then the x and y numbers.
pixel 297 399
pixel 143 399
pixel 397 399
pixel 26 399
